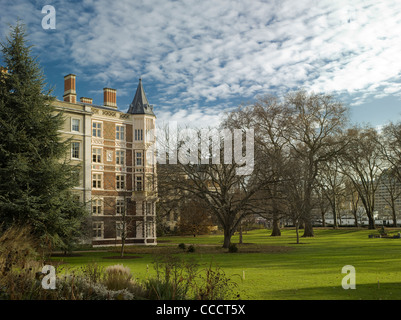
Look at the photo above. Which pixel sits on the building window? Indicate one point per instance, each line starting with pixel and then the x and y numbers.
pixel 75 146
pixel 97 129
pixel 97 207
pixel 138 183
pixel 120 132
pixel 75 125
pixel 120 182
pixel 139 158
pixel 97 181
pixel 138 134
pixel 96 155
pixel 121 229
pixel 149 209
pixel 120 207
pixel 98 230
pixel 120 157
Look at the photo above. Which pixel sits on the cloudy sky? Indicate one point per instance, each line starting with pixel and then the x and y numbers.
pixel 199 59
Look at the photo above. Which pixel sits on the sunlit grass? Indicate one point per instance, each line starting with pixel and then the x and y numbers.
pixel 276 268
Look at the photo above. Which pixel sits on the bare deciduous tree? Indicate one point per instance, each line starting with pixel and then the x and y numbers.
pixel 267 117
pixel 362 163
pixel 331 184
pixel 218 185
pixel 314 124
pixel 303 129
pixel 195 219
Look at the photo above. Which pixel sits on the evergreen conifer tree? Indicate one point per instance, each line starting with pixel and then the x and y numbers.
pixel 36 177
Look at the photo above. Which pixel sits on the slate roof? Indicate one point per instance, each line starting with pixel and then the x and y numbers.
pixel 140 104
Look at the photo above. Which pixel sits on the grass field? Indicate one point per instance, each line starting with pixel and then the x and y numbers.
pixel 268 268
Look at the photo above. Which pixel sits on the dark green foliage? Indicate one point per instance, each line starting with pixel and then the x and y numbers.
pixel 191 248
pixel 182 246
pixel 35 177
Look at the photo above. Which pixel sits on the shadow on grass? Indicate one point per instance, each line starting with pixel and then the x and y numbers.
pixel 122 258
pixel 371 291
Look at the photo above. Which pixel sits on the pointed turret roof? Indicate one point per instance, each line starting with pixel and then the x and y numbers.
pixel 140 104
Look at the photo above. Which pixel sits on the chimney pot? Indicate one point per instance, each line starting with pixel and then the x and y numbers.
pixel 86 100
pixel 110 97
pixel 70 95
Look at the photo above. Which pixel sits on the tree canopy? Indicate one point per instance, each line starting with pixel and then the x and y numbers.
pixel 36 177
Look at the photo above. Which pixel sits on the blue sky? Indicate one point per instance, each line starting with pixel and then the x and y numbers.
pixel 199 59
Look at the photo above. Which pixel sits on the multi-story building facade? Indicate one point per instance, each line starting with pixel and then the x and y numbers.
pixel 388 198
pixel 115 153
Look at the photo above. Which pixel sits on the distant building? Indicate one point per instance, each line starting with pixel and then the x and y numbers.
pixel 388 197
pixel 117 163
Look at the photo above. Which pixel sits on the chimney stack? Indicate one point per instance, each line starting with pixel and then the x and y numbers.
pixel 86 100
pixel 110 97
pixel 70 95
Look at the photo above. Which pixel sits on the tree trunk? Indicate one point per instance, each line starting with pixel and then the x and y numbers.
pixel 323 220
pixel 276 232
pixel 227 239
pixel 356 221
pixel 240 233
pixel 394 216
pixel 335 221
pixel 297 231
pixel 122 248
pixel 308 230
pixel 371 222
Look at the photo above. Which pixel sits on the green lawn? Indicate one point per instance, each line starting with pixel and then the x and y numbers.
pixel 277 268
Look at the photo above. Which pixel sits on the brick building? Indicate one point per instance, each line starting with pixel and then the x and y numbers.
pixel 115 151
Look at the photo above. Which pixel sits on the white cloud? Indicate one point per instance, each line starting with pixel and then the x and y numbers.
pixel 203 52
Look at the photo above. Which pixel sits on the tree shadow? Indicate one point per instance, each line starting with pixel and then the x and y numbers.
pixel 370 291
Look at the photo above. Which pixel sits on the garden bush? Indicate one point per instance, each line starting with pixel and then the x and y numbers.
pixel 174 278
pixel 73 287
pixel 215 285
pixel 17 249
pixel 117 277
pixel 177 278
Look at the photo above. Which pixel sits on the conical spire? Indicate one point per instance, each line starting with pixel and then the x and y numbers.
pixel 140 104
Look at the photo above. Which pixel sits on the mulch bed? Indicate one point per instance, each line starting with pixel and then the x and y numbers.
pixel 68 255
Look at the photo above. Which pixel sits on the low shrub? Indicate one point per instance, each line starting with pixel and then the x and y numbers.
pixel 20 262
pixel 17 248
pixel 117 277
pixel 182 246
pixel 93 272
pixel 72 287
pixel 24 284
pixel 177 278
pixel 174 278
pixel 215 285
